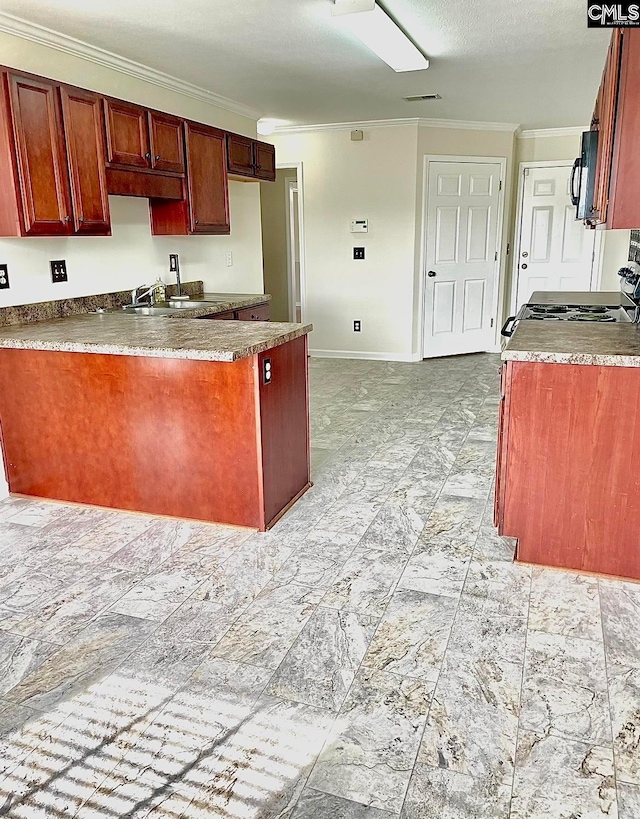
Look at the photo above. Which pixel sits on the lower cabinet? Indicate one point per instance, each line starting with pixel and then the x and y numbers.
pixel 261 312
pixel 567 483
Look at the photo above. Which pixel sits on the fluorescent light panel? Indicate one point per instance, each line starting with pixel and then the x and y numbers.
pixel 373 27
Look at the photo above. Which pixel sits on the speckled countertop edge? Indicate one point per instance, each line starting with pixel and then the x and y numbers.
pixel 143 336
pixel 565 342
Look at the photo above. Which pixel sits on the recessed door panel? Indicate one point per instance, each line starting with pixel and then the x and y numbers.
pixel 444 298
pixel 449 184
pixel 544 187
pixel 480 184
pixel 573 234
pixel 478 221
pixel 473 308
pixel 447 224
pixel 541 233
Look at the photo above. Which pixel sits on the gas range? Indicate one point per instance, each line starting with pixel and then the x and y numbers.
pixel 569 312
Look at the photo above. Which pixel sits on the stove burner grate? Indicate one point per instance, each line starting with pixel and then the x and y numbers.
pixel 591 317
pixel 549 309
pixel 592 308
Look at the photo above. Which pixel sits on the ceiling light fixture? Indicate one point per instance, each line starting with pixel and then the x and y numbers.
pixel 422 97
pixel 266 126
pixel 373 26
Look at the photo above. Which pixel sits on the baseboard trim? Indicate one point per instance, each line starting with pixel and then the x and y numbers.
pixel 366 356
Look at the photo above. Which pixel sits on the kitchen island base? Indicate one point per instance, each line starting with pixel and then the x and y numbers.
pixel 567 480
pixel 215 441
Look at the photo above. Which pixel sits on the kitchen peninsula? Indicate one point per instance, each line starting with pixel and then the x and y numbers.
pixel 197 419
pixel 567 482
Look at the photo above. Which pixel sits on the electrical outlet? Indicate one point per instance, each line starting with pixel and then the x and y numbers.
pixel 174 263
pixel 58 271
pixel 358 253
pixel 356 327
pixel 228 258
pixel 4 277
pixel 266 370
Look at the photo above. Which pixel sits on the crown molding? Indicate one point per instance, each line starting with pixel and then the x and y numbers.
pixel 394 123
pixel 9 24
pixel 542 133
pixel 469 125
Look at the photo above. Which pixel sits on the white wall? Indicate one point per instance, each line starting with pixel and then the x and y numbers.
pixel 343 180
pixel 131 256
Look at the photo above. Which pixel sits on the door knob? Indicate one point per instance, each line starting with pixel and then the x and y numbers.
pixel 523 266
pixel 524 254
pixel 431 274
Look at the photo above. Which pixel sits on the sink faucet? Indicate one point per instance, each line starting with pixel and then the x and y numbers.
pixel 135 299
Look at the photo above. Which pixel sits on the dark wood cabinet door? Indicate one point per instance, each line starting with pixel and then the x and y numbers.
pixel 127 134
pixel 83 120
pixel 261 312
pixel 41 157
pixel 605 117
pixel 264 156
pixel 207 179
pixel 240 155
pixel 167 142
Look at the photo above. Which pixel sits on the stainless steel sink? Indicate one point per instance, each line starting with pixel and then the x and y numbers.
pixel 186 305
pixel 144 310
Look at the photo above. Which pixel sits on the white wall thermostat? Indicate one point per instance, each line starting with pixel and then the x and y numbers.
pixel 359 226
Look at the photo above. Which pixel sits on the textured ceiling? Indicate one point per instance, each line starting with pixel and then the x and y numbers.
pixel 532 62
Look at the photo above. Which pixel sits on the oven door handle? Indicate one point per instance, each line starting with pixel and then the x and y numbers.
pixel 507 331
pixel 575 198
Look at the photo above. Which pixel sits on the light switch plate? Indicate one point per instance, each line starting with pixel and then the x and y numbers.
pixel 58 271
pixel 4 277
pixel 358 253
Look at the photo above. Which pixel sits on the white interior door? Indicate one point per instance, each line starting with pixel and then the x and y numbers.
pixel 461 255
pixel 555 249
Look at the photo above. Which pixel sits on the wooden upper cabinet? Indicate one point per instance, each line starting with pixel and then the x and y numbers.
pixel 604 123
pixel 127 134
pixel 623 210
pixel 250 158
pixel 207 179
pixel 40 157
pixel 167 143
pixel 83 120
pixel 240 154
pixel 265 161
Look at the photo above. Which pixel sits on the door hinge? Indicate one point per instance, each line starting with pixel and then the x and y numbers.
pixel 500 185
pixel 492 322
pixel 495 258
pixel 508 248
pixel 526 171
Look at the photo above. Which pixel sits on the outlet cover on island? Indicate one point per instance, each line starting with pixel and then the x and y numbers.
pixel 357 326
pixel 4 277
pixel 228 258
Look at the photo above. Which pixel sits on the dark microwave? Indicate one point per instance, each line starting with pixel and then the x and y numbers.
pixel 583 177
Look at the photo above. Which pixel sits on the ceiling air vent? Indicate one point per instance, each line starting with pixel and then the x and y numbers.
pixel 421 97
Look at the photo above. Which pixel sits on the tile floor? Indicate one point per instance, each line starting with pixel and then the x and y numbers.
pixel 377 654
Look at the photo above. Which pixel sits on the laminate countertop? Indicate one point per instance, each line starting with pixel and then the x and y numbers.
pixel 156 337
pixel 576 342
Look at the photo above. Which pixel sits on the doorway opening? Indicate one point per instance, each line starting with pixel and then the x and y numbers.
pixel 282 245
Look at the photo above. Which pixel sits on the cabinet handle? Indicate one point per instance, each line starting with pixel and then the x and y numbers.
pixel 147 155
pixel 81 220
pixel 157 157
pixel 197 221
pixel 67 218
pixel 258 167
